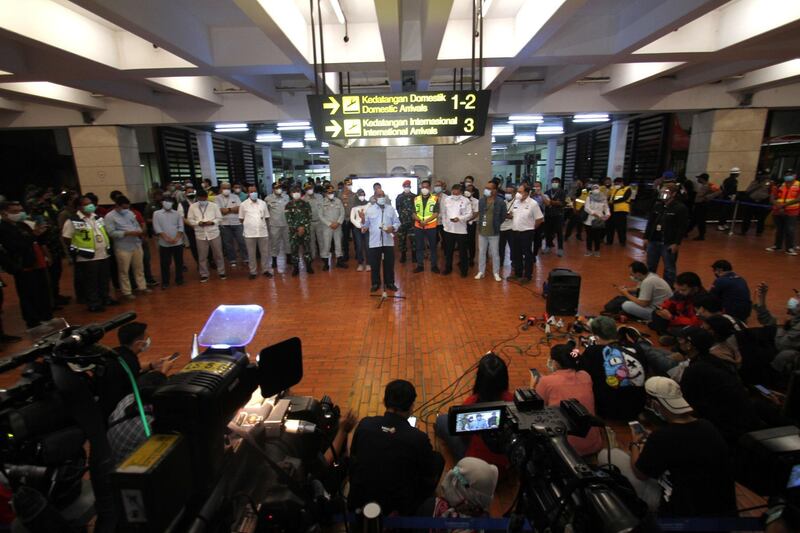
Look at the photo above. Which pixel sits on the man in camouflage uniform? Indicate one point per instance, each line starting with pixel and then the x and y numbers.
pixel 405 210
pixel 298 217
pixel 314 201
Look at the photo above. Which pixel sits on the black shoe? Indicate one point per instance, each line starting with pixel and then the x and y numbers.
pixel 435 270
pixel 373 288
pixel 267 274
pixel 463 274
pixel 419 269
pixel 274 262
pixel 309 269
pixel 699 239
pixel 164 286
pixel 326 266
pixel 403 257
pixel 512 277
pixel 252 276
pixel 152 283
pixel 524 281
pixel 341 263
pixel 96 308
pixel 296 271
pixel 9 338
pixel 62 300
pixel 179 283
pixel 391 287
pixel 446 271
pixel 111 302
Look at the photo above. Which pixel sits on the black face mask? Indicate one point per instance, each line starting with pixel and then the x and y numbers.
pixel 679 297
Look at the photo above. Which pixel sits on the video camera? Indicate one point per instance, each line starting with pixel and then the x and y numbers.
pixel 558 490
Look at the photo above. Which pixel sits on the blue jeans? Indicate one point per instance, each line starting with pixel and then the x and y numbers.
pixel 657 251
pixel 456 445
pixel 361 242
pixel 657 361
pixel 420 236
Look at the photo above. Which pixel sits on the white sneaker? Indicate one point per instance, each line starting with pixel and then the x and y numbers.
pixel 588 254
pixel 479 275
pixel 772 249
pixel 723 227
pixel 360 268
pixel 791 251
pixel 497 277
pixel 368 269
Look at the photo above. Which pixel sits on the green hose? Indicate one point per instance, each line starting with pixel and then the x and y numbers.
pixel 145 424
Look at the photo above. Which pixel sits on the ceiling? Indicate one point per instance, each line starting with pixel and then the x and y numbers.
pixel 211 61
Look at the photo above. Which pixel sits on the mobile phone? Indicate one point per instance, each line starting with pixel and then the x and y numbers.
pixel 412 421
pixel 637 429
pixel 173 356
pixel 535 375
pixel 763 390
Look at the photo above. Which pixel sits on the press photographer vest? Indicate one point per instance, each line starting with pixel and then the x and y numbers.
pixel 83 239
pixel 425 212
pixel 618 194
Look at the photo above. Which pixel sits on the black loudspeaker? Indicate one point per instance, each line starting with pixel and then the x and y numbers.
pixel 764 459
pixel 563 292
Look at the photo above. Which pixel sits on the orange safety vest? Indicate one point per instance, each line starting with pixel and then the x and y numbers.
pixel 426 212
pixel 784 194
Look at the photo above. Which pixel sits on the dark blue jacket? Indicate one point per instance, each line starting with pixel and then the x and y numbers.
pixel 499 213
pixel 733 292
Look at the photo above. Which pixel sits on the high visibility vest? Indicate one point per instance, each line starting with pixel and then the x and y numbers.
pixel 618 194
pixel 83 239
pixel 426 212
pixel 786 193
pixel 580 201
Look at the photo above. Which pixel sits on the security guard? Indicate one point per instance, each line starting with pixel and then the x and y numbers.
pixel 405 209
pixel 314 201
pixel 298 216
pixel 331 216
pixel 426 215
pixel 619 201
pixel 88 242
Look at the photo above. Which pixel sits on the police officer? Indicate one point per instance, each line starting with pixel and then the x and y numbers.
pixel 298 217
pixel 314 202
pixel 619 200
pixel 278 228
pixel 405 208
pixel 331 216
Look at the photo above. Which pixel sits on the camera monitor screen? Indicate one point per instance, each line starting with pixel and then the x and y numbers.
pixel 478 421
pixel 231 325
pixel 794 478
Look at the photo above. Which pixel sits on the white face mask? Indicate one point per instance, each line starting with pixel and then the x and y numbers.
pixel 407 189
pixel 437 189
pixel 555 185
pixel 348 187
pixel 226 192
pixel 146 345
pixel 166 205
pixel 425 191
pixel 253 196
pixel 793 304
pixel 519 196
pixel 551 365
pixel 237 191
pixel 278 192
pixel 509 196
pixel 467 194
pixel 330 196
pixel 296 195
pixel 487 192
pixel 382 201
pixel 309 193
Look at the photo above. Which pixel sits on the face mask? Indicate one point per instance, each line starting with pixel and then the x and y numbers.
pixel 310 193
pixel 18 217
pixel 278 192
pixel 487 192
pixel 467 194
pixel 407 189
pixel 425 191
pixel 537 191
pixel 381 201
pixel 330 196
pixel 89 208
pixel 519 196
pixel 788 179
pixel 634 279
pixel 253 196
pixel 437 189
pixel 296 195
pixel 191 195
pixel 555 185
pixel 348 187
pixel 664 196
pixel 146 345
pixel 551 365
pixel 362 197
pixel 226 192
pixel 793 304
pixel 597 196
pixel 124 211
pixel 166 205
pixel 203 203
pixel 467 183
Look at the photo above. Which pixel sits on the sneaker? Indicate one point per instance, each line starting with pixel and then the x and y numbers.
pixel 560 253
pixel 223 276
pixel 267 274
pixel 479 275
pixel 419 269
pixel 368 269
pixel 145 291
pixel 129 296
pixel 512 277
pixel 497 277
pixel 373 288
pixel 326 266
pixel 597 254
pixel 791 251
pixel 233 264
pixel 772 249
pixel 360 268
pixel 309 269
pixel 588 254
pixel 152 283
pixel 723 227
pixel 391 287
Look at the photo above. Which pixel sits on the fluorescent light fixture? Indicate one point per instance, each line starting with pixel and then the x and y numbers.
pixel 525 119
pixel 485 7
pixel 550 130
pixel 292 144
pixel 268 138
pixel 4 73
pixel 310 136
pixel 293 128
pixel 230 130
pixel 235 126
pixel 525 138
pixel 295 124
pixel 316 152
pixel 337 8
pixel 502 129
pixel 591 117
pixel 499 147
pixel 324 144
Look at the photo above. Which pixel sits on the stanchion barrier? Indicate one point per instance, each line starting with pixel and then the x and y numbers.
pixel 736 204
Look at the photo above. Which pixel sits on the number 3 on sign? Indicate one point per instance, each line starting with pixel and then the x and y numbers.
pixel 469 125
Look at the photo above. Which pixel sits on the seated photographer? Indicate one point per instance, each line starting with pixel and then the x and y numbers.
pixel 491 385
pixel 392 463
pixel 678 310
pixel 617 375
pixel 125 429
pixel 787 336
pixel 466 491
pixel 713 389
pixel 111 381
pixel 564 382
pixel 651 293
pixel 686 460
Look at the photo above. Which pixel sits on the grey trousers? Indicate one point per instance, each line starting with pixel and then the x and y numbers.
pixel 317 240
pixel 327 235
pixel 262 243
pixel 493 244
pixel 202 255
pixel 279 239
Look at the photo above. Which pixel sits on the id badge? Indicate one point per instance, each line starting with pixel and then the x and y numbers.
pixel 98 238
pixel 658 227
pixel 484 224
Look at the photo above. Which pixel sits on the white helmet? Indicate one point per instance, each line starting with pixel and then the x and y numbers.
pixel 735 170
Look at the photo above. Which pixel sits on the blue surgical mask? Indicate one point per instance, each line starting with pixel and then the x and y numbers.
pixel 253 196
pixel 793 304
pixel 89 208
pixel 788 178
pixel 382 200
pixel 202 203
pixel 124 211
pixel 437 189
pixel 166 205
pixel 487 192
pixel 18 217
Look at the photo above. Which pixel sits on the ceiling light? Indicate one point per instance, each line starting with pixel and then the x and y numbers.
pixel 502 129
pixel 310 136
pixel 337 8
pixel 498 147
pixel 230 130
pixel 525 138
pixel 292 144
pixel 237 126
pixel 316 152
pixel 485 7
pixel 550 130
pixel 289 126
pixel 268 138
pixel 591 117
pixel 324 144
pixel 525 119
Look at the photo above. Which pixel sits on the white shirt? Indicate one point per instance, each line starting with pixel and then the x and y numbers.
pixel 475 208
pixel 355 214
pixel 209 213
pixel 508 223
pixel 526 212
pixel 254 217
pixel 456 207
pixel 232 200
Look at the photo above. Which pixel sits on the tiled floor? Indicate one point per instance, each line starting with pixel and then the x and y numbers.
pixel 432 337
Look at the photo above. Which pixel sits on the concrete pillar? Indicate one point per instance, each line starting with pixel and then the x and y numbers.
pixel 552 155
pixel 616 148
pixel 408 157
pixel 269 178
pixel 107 159
pixel 726 138
pixel 205 150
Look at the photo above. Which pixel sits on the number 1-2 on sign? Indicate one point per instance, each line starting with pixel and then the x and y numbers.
pixel 467 103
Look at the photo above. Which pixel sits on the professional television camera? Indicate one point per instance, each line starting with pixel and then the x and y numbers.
pixel 45 420
pixel 558 490
pixel 224 456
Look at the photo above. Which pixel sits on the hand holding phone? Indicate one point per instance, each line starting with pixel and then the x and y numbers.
pixel 638 432
pixel 412 421
pixel 535 377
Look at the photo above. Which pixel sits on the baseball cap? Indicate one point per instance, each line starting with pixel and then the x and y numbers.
pixel 472 480
pixel 668 393
pixel 698 337
pixel 735 170
pixel 703 175
pixel 407 183
pixel 604 326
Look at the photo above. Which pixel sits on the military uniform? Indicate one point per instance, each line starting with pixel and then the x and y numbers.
pixel 299 214
pixel 405 209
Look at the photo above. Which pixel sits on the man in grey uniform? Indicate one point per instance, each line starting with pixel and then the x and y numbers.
pixel 316 226
pixel 331 216
pixel 278 228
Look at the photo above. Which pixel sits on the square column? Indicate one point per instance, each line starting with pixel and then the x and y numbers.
pixel 205 151
pixel 552 155
pixel 269 177
pixel 616 149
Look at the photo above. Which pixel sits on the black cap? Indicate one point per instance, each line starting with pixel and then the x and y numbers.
pixel 697 337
